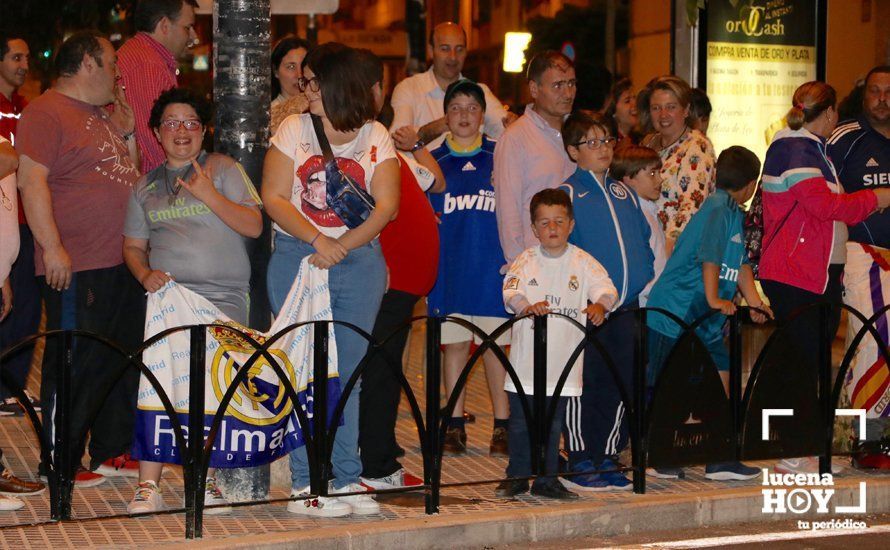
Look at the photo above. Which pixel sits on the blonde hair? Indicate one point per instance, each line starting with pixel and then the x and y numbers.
pixel 669 83
pixel 810 100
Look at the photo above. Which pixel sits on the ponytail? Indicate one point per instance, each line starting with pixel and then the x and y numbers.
pixel 809 101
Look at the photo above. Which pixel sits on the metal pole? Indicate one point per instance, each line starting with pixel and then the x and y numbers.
pixel 735 381
pixel 825 340
pixel 195 478
pixel 62 474
pixel 319 480
pixel 431 459
pixel 242 93
pixel 638 445
pixel 539 381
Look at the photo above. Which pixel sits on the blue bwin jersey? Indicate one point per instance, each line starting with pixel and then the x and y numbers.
pixel 470 256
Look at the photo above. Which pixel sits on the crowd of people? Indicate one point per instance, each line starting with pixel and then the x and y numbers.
pixel 484 213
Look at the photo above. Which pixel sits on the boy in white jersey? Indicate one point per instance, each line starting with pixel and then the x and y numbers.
pixel 555 277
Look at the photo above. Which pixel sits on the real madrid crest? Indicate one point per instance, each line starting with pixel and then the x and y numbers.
pixel 573 283
pixel 258 400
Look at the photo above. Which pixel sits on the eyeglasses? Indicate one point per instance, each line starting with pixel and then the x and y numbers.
pixel 311 83
pixel 173 125
pixel 596 143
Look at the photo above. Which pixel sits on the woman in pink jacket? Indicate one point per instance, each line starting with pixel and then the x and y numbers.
pixel 805 218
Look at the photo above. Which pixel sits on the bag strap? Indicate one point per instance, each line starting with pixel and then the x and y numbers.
pixel 322 138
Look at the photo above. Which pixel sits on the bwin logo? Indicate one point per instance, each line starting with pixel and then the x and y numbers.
pixel 483 201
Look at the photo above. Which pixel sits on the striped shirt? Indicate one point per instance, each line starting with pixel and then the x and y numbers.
pixel 147 69
pixel 528 158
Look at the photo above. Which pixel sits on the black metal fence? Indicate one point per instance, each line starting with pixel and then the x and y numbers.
pixel 686 419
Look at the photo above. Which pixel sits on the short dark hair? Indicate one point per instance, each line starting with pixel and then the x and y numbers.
pixel 70 54
pixel 736 168
pixel 548 59
pixel 630 159
pixel 150 12
pixel 5 39
pixel 577 124
pixel 551 197
pixel 180 95
pixel 699 104
pixel 467 87
pixel 348 102
pixel 880 69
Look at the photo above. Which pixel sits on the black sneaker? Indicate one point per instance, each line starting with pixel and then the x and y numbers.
pixel 553 489
pixel 509 489
pixel 10 407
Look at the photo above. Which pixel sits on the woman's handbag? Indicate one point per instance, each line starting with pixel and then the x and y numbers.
pixel 345 197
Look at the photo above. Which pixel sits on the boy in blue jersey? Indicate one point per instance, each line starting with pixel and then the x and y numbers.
pixel 707 266
pixel 611 227
pixel 470 258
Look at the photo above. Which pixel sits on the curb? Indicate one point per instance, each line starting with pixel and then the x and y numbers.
pixel 583 519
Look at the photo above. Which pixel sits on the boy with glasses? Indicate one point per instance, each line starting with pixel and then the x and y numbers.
pixel 611 227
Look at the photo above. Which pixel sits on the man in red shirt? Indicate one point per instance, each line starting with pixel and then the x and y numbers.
pixel 24 318
pixel 148 64
pixel 76 173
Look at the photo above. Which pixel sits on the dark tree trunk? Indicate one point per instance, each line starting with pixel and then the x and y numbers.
pixel 241 91
pixel 415 24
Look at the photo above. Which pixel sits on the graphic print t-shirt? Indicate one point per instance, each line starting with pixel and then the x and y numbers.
pixel 357 159
pixel 90 176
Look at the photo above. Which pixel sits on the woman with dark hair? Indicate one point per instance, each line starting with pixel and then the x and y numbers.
pixel 286 59
pixel 204 250
pixel 294 192
pixel 621 112
pixel 805 219
pixel 687 156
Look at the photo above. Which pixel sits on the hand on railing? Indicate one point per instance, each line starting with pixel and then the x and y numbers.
pixel 760 313
pixel 596 313
pixel 540 308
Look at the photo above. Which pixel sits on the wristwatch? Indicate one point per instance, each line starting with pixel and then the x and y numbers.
pixel 418 145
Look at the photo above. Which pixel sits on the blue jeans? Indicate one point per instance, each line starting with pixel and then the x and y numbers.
pixel 520 464
pixel 356 286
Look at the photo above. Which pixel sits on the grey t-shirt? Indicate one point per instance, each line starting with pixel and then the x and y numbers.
pixel 187 240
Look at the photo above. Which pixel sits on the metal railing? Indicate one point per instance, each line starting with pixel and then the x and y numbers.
pixel 727 439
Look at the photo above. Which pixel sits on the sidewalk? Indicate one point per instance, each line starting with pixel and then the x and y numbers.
pixel 470 516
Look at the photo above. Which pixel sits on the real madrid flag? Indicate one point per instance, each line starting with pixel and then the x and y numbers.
pixel 260 424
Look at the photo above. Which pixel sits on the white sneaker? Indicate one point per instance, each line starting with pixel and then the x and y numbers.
pixel 7 504
pixel 325 507
pixel 147 499
pixel 362 504
pixel 396 480
pixel 213 496
pixel 803 465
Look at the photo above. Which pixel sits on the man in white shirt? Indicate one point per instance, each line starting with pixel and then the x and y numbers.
pixel 419 115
